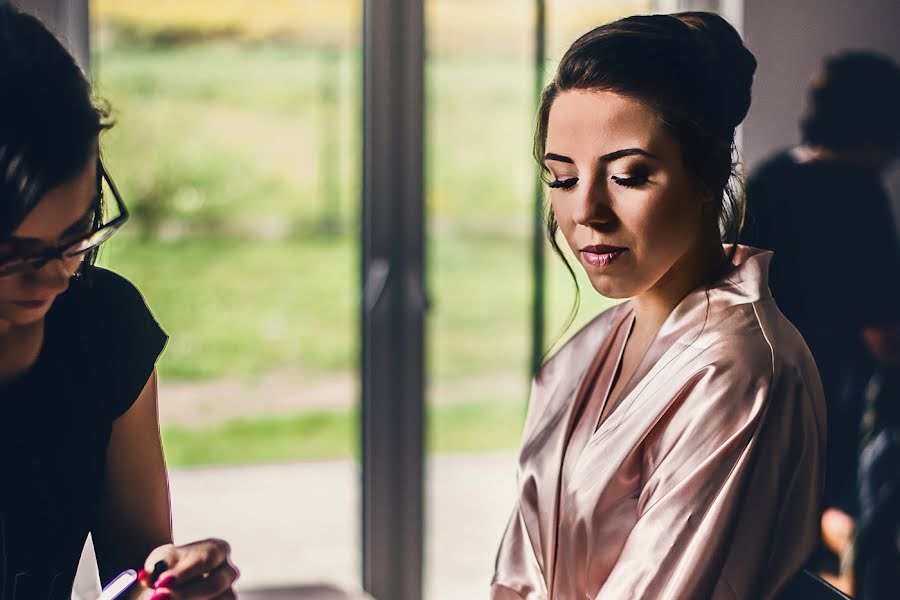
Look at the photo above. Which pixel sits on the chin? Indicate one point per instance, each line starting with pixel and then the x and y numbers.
pixel 18 317
pixel 610 287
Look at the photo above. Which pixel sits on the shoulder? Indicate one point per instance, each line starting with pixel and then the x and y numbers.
pixel 108 300
pixel 772 168
pixel 742 375
pixel 754 348
pixel 103 285
pixel 122 337
pixel 757 332
pixel 731 358
pixel 787 347
pixel 769 356
pixel 117 308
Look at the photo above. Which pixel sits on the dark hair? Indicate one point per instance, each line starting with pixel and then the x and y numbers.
pixel 49 122
pixel 691 69
pixel 854 100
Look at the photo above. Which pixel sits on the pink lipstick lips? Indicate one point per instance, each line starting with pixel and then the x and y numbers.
pixel 601 255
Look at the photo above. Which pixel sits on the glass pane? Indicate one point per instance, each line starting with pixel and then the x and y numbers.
pixel 236 150
pixel 480 117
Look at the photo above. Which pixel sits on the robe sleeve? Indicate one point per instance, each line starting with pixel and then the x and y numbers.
pixel 727 471
pixel 517 565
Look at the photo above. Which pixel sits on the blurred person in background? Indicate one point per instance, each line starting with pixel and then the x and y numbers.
pixel 79 434
pixel 869 543
pixel 822 208
pixel 875 552
pixel 674 447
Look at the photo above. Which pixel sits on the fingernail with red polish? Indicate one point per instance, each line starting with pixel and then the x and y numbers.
pixel 143 576
pixel 165 582
pixel 161 596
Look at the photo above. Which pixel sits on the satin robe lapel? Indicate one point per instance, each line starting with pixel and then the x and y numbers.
pixel 697 311
pixel 561 379
pixel 683 323
pixel 559 391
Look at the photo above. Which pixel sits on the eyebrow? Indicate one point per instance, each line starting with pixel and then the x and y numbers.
pixel 606 157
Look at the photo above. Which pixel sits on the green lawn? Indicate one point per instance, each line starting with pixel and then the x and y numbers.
pixel 320 435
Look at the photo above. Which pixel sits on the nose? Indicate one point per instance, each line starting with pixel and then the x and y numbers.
pixel 592 206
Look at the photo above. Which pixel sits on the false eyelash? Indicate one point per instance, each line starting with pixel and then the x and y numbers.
pixel 564 184
pixel 635 181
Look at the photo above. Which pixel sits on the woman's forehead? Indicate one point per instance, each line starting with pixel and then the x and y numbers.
pixel 600 122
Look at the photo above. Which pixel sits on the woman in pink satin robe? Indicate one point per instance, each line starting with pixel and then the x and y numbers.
pixel 673 448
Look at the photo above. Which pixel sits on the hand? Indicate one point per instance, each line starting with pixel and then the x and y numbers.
pixel 200 570
pixel 837 530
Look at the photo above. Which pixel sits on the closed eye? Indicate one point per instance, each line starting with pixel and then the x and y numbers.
pixel 635 181
pixel 565 184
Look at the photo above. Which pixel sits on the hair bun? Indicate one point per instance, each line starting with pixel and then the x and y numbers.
pixel 728 58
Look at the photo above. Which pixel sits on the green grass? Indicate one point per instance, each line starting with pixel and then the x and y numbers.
pixel 308 436
pixel 220 139
pixel 321 435
pixel 240 307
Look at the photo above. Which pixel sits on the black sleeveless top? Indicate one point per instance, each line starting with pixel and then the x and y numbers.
pixel 100 346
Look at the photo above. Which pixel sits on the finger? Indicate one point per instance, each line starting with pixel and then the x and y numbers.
pixel 215 583
pixel 189 561
pixel 149 578
pixel 165 552
pixel 156 564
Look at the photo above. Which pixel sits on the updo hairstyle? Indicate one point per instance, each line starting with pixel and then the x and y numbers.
pixel 692 70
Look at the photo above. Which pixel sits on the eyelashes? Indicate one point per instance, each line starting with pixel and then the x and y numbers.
pixel 563 184
pixel 629 182
pixel 634 181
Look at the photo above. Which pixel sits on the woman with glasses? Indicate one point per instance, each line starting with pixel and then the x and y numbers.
pixel 79 438
pixel 673 448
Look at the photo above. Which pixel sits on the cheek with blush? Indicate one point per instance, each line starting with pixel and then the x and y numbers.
pixel 669 227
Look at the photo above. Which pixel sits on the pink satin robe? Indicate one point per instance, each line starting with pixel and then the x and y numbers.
pixel 702 482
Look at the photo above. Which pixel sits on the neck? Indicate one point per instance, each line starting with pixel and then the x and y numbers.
pixel 700 266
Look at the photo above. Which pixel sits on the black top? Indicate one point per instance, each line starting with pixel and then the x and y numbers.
pixel 100 347
pixel 836 269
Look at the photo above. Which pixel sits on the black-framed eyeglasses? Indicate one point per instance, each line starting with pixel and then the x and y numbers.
pixel 100 232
